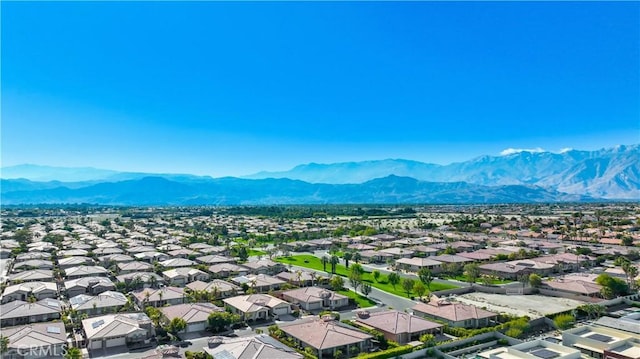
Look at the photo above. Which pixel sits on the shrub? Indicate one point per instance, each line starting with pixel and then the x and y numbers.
pixel 389 353
pixel 564 321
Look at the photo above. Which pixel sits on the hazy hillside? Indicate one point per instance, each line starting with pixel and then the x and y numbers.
pixel 228 191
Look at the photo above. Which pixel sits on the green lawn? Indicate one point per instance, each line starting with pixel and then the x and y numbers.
pixel 313 262
pixel 256 252
pixel 463 278
pixel 362 301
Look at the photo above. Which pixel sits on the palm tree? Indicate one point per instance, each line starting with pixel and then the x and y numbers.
pixel 324 260
pixel 334 261
pixel 299 277
pixel 153 281
pixel 357 257
pixel 4 344
pixel 313 276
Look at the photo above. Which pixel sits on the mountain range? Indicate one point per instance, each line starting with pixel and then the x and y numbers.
pixel 518 177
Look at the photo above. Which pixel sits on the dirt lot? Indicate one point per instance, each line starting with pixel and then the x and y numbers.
pixel 535 306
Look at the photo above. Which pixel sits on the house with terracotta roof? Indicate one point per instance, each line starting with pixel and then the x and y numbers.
pixel 116 330
pixel 264 266
pixel 19 312
pixel 181 276
pixel 226 270
pixel 398 326
pixel 327 336
pixel 258 347
pixel 105 302
pixel 315 298
pixel 455 314
pixel 88 285
pixel 195 314
pixel 221 288
pixel 257 306
pixel 22 291
pixel 416 263
pixel 48 338
pixel 159 297
pixel 375 256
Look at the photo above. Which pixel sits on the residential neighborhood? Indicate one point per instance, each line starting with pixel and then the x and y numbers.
pixel 172 282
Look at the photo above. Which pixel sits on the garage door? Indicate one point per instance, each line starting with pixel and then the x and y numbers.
pixel 196 327
pixel 116 342
pixel 96 344
pixel 281 310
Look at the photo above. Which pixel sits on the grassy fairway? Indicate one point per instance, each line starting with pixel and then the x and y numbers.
pixel 256 252
pixel 313 262
pixel 362 301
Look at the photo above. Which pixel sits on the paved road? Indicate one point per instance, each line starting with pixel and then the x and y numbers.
pixel 388 299
pixel 382 268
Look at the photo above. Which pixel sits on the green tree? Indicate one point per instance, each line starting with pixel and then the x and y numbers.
pixel 337 283
pixel 535 280
pixel 347 257
pixel 376 275
pixel 627 241
pixel 631 271
pixel 324 260
pixel 407 285
pixel 425 276
pixel 419 289
pixel 4 344
pixel 393 279
pixel 355 276
pixel 219 321
pixel 611 287
pixel 334 262
pixel 357 257
pixel 472 272
pixel 564 321
pixel 176 325
pixel 366 289
pixel 73 353
pixel 428 339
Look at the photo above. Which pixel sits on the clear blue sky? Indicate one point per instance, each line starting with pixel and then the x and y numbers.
pixel 234 88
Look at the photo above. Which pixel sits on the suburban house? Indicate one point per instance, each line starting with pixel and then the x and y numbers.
pixel 34 275
pixel 69 262
pixel 301 278
pixel 22 291
pixel 108 260
pixel 88 285
pixel 133 267
pixel 226 270
pixel 183 275
pixel 261 283
pixel 398 253
pixel 32 264
pixel 183 253
pixel 105 302
pixel 177 262
pixel 455 314
pixel 19 312
pixel 85 271
pixel 151 257
pixel 214 259
pixel 538 348
pixel 327 336
pixel 221 288
pixel 315 298
pixel 375 256
pixel 416 263
pixel 147 278
pixel 159 297
pixel 398 326
pixel 116 330
pixel 257 306
pixel 195 314
pixel 48 338
pixel 602 342
pixel 265 266
pixel 259 347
